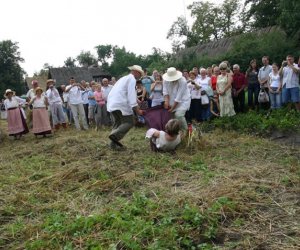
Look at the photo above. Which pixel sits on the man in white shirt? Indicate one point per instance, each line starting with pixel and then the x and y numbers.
pixel 290 82
pixel 121 102
pixel 76 103
pixel 176 95
pixel 264 72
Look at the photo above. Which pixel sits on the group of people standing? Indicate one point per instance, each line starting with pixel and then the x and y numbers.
pixel 196 95
pixel 82 103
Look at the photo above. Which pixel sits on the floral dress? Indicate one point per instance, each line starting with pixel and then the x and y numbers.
pixel 226 104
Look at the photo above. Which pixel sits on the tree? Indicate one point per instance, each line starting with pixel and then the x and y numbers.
pixel 86 59
pixel 70 62
pixel 104 52
pixel 263 13
pixel 11 73
pixel 289 18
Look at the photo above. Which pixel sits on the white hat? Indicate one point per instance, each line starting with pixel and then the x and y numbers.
pixel 137 68
pixel 9 91
pixel 172 75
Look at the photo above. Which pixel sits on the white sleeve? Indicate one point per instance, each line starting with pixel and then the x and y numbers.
pixel 131 93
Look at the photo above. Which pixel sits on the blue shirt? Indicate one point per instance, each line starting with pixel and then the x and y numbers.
pixel 92 102
pixel 147 81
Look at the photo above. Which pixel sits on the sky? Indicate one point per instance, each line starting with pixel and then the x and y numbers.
pixel 51 31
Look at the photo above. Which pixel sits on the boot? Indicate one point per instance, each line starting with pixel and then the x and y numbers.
pixel 64 125
pixel 57 126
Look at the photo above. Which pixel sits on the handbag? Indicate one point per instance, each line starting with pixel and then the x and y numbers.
pixel 204 100
pixel 263 96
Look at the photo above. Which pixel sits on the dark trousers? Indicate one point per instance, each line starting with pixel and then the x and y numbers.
pixel 239 102
pixel 121 124
pixel 194 111
pixel 253 91
pixel 86 111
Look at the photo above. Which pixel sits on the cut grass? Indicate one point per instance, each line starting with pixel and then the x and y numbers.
pixel 228 191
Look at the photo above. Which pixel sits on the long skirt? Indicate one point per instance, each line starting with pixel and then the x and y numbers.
pixel 40 121
pixel 16 122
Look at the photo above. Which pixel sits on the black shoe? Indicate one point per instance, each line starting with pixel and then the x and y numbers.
pixel 114 139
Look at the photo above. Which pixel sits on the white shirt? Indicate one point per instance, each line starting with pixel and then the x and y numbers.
pixel 106 90
pixel 178 92
pixel 15 102
pixel 264 72
pixel 274 80
pixel 39 102
pixel 204 83
pixel 74 95
pixel 123 96
pixel 290 78
pixel 84 95
pixel 161 142
pixel 30 94
pixel 53 96
pixel 195 93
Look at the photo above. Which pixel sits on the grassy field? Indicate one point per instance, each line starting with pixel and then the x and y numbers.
pixel 226 191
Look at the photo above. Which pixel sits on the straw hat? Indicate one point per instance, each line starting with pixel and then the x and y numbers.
pixel 9 91
pixel 49 81
pixel 172 75
pixel 137 68
pixel 38 88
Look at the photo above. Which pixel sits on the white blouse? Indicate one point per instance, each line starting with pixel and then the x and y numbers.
pixel 195 93
pixel 15 102
pixel 39 102
pixel 161 142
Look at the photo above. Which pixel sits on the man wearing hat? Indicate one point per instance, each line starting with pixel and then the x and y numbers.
pixel 122 103
pixel 176 95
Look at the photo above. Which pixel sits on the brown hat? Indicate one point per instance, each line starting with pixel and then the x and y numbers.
pixel 38 88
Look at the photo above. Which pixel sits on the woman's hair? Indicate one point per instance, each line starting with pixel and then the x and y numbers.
pixel 275 64
pixel 139 82
pixel 173 127
pixel 160 77
pixel 250 66
pixel 223 65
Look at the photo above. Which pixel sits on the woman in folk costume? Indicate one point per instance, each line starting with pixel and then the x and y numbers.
pixel 15 115
pixel 40 117
pixel 55 103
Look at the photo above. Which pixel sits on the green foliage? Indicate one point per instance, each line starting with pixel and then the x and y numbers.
pixel 70 62
pixel 262 124
pixel 86 59
pixel 11 73
pixel 139 223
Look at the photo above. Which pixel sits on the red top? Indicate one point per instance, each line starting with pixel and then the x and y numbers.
pixel 238 81
pixel 213 80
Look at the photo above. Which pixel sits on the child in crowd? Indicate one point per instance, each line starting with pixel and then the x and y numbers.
pixel 165 140
pixel 100 109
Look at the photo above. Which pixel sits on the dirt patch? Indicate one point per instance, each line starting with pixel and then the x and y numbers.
pixel 286 138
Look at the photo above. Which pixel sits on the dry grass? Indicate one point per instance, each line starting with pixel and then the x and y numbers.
pixel 75 174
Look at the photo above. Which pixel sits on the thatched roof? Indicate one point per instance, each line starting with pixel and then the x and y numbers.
pixel 216 48
pixel 41 79
pixel 62 75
